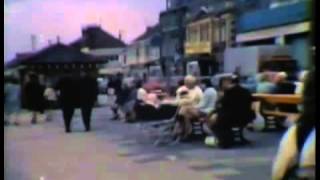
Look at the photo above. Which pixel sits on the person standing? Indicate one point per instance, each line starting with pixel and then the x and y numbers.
pixel 77 92
pixel 116 85
pixel 12 105
pixel 88 88
pixel 35 101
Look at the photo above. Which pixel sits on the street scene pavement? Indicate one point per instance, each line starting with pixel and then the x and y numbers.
pixel 114 150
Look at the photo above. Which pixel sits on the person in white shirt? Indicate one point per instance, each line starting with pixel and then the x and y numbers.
pixel 51 99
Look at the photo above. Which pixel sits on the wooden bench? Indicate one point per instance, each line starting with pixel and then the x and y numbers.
pixel 272 116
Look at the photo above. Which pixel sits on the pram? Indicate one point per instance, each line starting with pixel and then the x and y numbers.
pixel 162 126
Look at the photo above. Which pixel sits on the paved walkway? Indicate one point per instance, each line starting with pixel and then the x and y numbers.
pixel 118 151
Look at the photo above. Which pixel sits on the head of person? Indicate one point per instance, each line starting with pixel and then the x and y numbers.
pixel 224 83
pixel 33 78
pixel 235 81
pixel 281 77
pixel 206 83
pixel 190 81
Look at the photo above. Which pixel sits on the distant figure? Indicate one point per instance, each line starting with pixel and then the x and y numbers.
pixel 51 100
pixel 35 101
pixel 50 96
pixel 116 84
pixel 234 110
pixel 12 105
pixel 77 92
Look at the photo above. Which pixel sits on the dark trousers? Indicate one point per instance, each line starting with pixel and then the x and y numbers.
pixel 224 135
pixel 68 114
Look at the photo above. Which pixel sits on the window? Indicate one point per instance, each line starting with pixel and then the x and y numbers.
pixel 223 32
pixel 192 34
pixel 204 32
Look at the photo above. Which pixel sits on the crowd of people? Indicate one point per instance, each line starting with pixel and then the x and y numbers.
pixel 219 109
pixel 73 90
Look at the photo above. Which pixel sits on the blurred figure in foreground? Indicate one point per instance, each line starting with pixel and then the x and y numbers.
pixel 296 154
pixel 12 105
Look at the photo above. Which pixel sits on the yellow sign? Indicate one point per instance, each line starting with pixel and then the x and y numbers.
pixel 198 48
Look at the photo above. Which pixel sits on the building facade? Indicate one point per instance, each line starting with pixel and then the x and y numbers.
pixel 143 52
pixel 207 37
pixel 283 23
pixel 102 45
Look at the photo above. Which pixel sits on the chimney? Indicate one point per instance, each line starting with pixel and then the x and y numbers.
pixel 58 39
pixel 33 42
pixel 120 35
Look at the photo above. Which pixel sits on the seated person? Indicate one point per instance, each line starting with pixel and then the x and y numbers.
pixel 207 104
pixel 188 97
pixel 150 107
pixel 234 110
pixel 283 86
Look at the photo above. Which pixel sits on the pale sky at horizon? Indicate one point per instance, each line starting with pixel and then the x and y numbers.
pixel 50 18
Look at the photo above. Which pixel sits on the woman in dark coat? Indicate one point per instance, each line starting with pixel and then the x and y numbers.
pixel 34 96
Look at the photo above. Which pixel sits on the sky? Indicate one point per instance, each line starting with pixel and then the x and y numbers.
pixel 48 19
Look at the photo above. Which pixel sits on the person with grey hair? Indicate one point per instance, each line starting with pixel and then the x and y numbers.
pixel 188 97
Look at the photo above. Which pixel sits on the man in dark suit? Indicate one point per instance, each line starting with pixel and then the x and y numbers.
pixel 77 92
pixel 234 109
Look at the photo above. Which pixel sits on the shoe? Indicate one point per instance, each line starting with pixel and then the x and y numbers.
pixel 68 131
pixel 115 118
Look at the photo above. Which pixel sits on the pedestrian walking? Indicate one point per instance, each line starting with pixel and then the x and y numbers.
pixel 12 105
pixel 51 100
pixel 35 101
pixel 77 92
